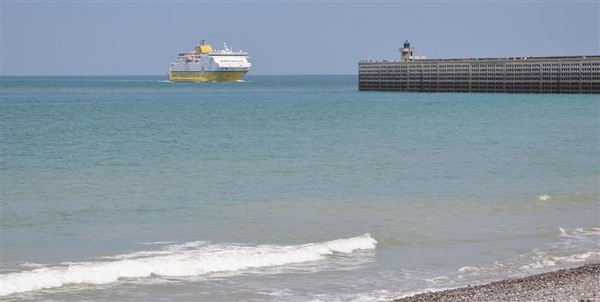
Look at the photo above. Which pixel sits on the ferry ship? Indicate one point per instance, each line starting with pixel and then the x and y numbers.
pixel 206 64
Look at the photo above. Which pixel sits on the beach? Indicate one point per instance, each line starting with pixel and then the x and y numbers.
pixel 574 284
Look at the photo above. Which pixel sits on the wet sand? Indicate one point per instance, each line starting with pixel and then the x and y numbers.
pixel 575 284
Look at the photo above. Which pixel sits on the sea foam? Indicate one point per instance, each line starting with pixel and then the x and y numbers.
pixel 189 259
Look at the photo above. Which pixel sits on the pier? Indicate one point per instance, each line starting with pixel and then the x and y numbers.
pixel 561 74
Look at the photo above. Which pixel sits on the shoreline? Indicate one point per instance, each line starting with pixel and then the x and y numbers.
pixel 573 284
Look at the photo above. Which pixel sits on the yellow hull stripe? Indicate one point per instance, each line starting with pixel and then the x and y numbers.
pixel 196 76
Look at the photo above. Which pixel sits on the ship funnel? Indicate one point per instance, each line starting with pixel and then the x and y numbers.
pixel 203 48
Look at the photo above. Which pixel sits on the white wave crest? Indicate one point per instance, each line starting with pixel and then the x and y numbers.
pixel 190 259
pixel 468 269
pixel 580 233
pixel 555 260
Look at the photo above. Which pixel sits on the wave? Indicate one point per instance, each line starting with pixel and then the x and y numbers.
pixel 543 197
pixel 188 259
pixel 579 233
pixel 576 246
pixel 556 260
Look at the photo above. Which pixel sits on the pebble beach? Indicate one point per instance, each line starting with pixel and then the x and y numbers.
pixel 574 284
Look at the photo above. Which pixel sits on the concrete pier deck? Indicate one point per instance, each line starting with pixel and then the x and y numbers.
pixel 568 74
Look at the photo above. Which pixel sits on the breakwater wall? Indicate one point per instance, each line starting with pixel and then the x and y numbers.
pixel 575 74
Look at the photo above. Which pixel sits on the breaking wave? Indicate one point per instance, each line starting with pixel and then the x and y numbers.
pixel 556 260
pixel 188 259
pixel 577 246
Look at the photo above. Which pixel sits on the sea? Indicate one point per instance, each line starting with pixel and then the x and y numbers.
pixel 287 188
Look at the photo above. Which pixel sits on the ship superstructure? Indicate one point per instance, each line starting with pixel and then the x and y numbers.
pixel 206 64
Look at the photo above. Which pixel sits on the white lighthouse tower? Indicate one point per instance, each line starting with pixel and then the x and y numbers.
pixel 407 51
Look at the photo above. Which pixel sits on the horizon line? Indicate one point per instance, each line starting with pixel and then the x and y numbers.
pixel 158 75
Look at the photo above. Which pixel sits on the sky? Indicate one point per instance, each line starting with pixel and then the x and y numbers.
pixel 142 37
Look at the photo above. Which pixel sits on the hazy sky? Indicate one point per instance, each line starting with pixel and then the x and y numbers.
pixel 137 37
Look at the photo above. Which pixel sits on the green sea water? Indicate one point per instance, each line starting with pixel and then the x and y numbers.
pixel 286 188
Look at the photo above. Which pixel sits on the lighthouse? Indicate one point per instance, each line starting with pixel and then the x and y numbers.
pixel 407 52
